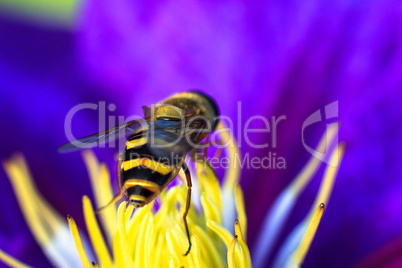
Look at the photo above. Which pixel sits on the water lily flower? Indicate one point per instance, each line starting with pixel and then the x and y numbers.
pixel 156 237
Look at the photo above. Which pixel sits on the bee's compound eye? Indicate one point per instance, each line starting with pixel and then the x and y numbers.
pixel 168 113
pixel 168 119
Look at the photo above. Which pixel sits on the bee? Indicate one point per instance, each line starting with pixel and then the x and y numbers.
pixel 157 146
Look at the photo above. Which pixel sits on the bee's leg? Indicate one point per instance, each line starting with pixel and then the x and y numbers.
pixel 206 147
pixel 116 197
pixel 118 169
pixel 196 152
pixel 189 184
pixel 218 152
pixel 114 200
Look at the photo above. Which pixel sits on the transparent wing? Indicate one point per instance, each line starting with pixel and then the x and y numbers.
pixel 108 135
pixel 167 138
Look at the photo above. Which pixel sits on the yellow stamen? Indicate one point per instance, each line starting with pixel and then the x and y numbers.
pixel 233 174
pixel 231 253
pixel 44 222
pixel 150 238
pixel 226 237
pixel 175 247
pixel 123 235
pixel 181 238
pixel 173 262
pixel 105 194
pixel 206 242
pixel 41 218
pixel 95 234
pixel 245 253
pixel 208 182
pixel 211 210
pixel 118 256
pixel 160 246
pixel 196 251
pixel 329 177
pixel 223 233
pixel 149 246
pixel 26 197
pixel 139 251
pixel 323 196
pixel 168 204
pixel 133 234
pixel 241 210
pixel 129 212
pixel 314 163
pixel 301 251
pixel 78 242
pixel 10 261
pixel 101 186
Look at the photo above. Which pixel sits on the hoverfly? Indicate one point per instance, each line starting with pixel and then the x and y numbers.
pixel 157 146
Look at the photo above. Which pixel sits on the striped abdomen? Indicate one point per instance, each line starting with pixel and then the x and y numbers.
pixel 143 175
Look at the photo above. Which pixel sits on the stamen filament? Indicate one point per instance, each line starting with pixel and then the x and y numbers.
pixel 286 200
pixel 307 173
pixel 129 212
pixel 211 210
pixel 146 239
pixel 118 256
pixel 15 171
pixel 173 262
pixel 233 174
pixel 241 210
pixel 142 227
pixel 231 253
pixel 245 253
pixel 206 242
pixel 295 238
pixel 174 247
pixel 196 251
pixel 78 242
pixel 223 233
pixel 45 223
pixel 150 250
pixel 10 261
pixel 301 251
pixel 329 177
pixel 209 183
pixel 95 234
pixel 121 212
pixel 102 188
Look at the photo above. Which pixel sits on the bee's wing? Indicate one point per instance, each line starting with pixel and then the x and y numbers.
pixel 168 138
pixel 105 136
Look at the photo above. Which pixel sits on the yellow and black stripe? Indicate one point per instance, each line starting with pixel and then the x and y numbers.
pixel 143 175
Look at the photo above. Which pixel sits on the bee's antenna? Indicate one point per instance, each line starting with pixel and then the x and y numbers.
pixel 147 112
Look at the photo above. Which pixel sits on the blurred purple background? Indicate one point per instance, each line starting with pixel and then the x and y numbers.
pixel 277 58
